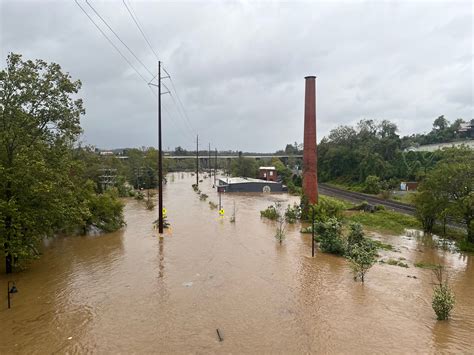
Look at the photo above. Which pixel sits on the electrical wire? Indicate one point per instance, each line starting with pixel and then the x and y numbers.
pixel 118 37
pixel 137 23
pixel 135 19
pixel 112 43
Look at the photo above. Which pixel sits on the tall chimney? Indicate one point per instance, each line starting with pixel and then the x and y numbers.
pixel 310 160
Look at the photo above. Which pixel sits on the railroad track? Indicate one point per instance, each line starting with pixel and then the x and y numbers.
pixel 358 197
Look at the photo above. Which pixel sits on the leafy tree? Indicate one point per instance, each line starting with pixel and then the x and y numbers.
pixel 443 297
pixel 448 190
pixel 43 189
pixel 245 167
pixel 362 257
pixel 330 235
pixel 372 184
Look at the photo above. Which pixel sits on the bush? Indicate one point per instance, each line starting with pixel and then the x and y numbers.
pixel 372 185
pixel 292 214
pixel 203 197
pixel 330 236
pixel 270 212
pixel 443 297
pixel 356 235
pixel 326 208
pixel 362 256
pixel 212 205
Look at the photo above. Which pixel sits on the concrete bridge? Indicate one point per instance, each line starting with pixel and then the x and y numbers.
pixel 203 159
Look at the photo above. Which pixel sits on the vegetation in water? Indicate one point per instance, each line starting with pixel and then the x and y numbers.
pixel 293 213
pixel 280 233
pixel 426 265
pixel 330 236
pixel 443 297
pixel 395 262
pixel 45 187
pixel 270 212
pixel 212 205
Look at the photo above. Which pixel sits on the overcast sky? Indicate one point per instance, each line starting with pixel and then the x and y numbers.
pixel 239 67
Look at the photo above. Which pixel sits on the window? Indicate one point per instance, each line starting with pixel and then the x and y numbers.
pixel 271 173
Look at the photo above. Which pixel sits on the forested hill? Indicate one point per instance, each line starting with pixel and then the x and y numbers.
pixel 353 153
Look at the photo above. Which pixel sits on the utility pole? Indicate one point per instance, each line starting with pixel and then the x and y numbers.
pixel 197 160
pixel 215 168
pixel 160 158
pixel 209 161
pixel 312 230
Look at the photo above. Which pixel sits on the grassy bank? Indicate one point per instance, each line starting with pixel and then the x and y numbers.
pixel 384 221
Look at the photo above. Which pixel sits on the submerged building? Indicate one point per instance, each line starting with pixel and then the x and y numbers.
pixel 239 184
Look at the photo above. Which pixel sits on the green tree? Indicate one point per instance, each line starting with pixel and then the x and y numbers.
pixel 245 167
pixel 448 189
pixel 43 189
pixel 362 257
pixel 372 184
pixel 443 297
pixel 330 236
pixel 40 120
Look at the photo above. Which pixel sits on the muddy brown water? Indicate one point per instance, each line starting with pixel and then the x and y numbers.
pixel 131 292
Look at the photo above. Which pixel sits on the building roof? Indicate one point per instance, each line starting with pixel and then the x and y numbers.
pixel 243 180
pixel 267 168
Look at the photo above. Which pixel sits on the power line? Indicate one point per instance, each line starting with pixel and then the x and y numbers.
pixel 112 43
pixel 181 103
pixel 137 23
pixel 118 37
pixel 135 19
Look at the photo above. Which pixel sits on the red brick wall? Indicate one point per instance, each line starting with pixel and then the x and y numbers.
pixel 310 173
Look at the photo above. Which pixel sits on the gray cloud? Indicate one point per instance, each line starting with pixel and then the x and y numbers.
pixel 239 66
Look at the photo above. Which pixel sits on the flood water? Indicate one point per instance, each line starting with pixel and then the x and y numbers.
pixel 132 292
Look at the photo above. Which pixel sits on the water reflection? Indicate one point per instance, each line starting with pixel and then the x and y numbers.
pixel 134 292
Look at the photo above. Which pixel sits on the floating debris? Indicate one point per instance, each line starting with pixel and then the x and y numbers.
pixel 219 335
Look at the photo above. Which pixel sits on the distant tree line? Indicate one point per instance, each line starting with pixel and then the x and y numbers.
pixel 371 148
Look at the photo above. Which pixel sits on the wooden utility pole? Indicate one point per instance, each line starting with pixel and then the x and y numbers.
pixel 209 161
pixel 160 158
pixel 215 168
pixel 197 160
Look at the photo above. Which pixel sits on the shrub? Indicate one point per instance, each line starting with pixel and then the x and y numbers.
pixel 292 214
pixel 362 257
pixel 270 212
pixel 212 205
pixel 149 204
pixel 355 236
pixel 443 297
pixel 330 236
pixel 203 197
pixel 326 208
pixel 372 184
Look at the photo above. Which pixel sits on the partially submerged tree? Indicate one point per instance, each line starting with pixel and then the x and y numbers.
pixel 42 187
pixel 280 233
pixel 443 297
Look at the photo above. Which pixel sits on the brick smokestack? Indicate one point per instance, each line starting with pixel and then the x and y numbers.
pixel 310 160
